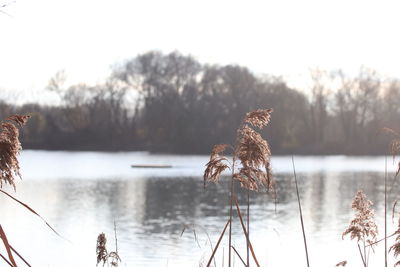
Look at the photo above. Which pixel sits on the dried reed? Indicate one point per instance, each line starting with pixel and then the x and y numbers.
pixel 301 213
pixel 396 246
pixel 101 251
pixel 10 148
pixel 362 227
pixel 253 153
pixel 342 263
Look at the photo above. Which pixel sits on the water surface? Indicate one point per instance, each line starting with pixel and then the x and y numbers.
pixel 82 193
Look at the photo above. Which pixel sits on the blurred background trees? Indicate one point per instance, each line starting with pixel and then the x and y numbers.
pixel 172 103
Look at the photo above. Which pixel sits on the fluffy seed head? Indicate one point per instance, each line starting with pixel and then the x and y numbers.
pixel 10 148
pixel 101 250
pixel 396 246
pixel 216 165
pixel 363 226
pixel 258 118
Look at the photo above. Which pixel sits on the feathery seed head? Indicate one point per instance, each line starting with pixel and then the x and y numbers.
pixel 10 148
pixel 362 226
pixel 101 250
pixel 216 165
pixel 396 246
pixel 258 118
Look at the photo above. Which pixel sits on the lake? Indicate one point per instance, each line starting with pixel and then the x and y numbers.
pixel 165 217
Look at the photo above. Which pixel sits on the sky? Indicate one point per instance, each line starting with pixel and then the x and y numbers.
pixel 287 38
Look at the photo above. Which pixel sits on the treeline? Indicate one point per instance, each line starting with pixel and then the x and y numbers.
pixel 172 103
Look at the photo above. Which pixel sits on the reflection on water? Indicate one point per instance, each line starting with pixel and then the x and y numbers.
pixel 151 214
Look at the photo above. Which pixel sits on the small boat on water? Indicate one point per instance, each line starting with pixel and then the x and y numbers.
pixel 151 166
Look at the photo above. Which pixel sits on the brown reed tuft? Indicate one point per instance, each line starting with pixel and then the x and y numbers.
pixel 342 263
pixel 103 255
pixel 396 245
pixel 258 118
pixel 216 165
pixel 101 250
pixel 251 150
pixel 10 148
pixel 254 155
pixel 114 258
pixel 363 226
pixel 254 152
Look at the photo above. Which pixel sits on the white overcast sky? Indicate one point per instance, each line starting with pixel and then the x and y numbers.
pixel 280 37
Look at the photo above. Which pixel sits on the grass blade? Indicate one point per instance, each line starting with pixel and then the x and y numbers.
pixel 19 255
pixel 31 210
pixel 386 251
pixel 7 246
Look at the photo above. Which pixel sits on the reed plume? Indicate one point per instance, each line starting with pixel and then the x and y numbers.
pixel 342 263
pixel 251 150
pixel 101 250
pixel 217 164
pixel 362 227
pixel 253 153
pixel 103 255
pixel 396 246
pixel 10 147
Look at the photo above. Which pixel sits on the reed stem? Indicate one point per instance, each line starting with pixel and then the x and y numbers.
pixel 231 211
pixel 248 227
pixel 386 251
pixel 217 245
pixel 301 213
pixel 362 258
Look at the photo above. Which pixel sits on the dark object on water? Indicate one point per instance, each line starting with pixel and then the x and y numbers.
pixel 151 166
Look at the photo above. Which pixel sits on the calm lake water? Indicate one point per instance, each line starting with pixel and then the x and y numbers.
pixel 81 194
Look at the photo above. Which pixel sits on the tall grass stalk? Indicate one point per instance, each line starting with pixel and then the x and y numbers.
pixel 245 233
pixel 301 213
pixel 217 245
pixel 386 251
pixel 232 190
pixel 253 154
pixel 248 227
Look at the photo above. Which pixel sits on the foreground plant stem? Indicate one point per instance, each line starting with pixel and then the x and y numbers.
pixel 231 210
pixel 217 245
pixel 386 211
pixel 362 258
pixel 248 227
pixel 301 213
pixel 245 232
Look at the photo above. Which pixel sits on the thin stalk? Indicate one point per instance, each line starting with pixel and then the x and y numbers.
pixel 301 213
pixel 365 254
pixel 231 211
pixel 245 233
pixel 380 240
pixel 248 227
pixel 223 257
pixel 116 240
pixel 240 257
pixel 386 211
pixel 19 255
pixel 5 259
pixel 362 258
pixel 217 245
